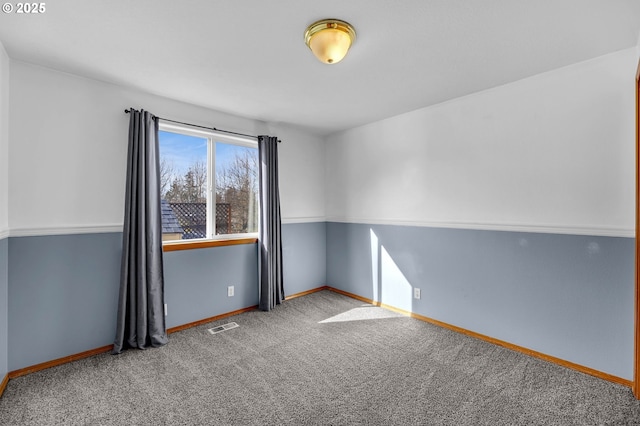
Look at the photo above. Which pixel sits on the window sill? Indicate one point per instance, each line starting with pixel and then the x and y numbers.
pixel 191 245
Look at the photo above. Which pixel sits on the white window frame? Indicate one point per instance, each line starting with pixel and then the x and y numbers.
pixel 212 137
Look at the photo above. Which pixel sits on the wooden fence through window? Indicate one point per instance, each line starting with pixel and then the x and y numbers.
pixel 192 217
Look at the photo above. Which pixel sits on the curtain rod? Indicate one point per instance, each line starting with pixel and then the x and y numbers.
pixel 127 111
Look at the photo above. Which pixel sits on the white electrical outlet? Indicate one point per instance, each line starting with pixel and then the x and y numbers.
pixel 230 291
pixel 165 309
pixel 416 293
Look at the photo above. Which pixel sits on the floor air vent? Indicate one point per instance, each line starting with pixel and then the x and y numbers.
pixel 225 327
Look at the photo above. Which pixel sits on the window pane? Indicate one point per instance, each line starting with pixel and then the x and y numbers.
pixel 183 186
pixel 236 189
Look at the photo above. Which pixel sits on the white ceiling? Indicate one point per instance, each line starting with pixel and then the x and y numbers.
pixel 247 57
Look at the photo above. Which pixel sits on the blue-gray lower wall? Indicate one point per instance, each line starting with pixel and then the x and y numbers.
pixel 63 293
pixel 563 295
pixel 4 314
pixel 567 296
pixel 304 256
pixel 63 289
pixel 196 282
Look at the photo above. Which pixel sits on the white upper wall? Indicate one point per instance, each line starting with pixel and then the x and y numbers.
pixel 551 153
pixel 4 142
pixel 68 150
pixel 301 174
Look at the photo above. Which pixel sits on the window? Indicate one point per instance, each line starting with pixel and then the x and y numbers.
pixel 208 184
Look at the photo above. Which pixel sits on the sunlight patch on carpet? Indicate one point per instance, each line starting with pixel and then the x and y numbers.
pixel 362 313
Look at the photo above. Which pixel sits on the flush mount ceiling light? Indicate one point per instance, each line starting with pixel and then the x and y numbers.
pixel 330 39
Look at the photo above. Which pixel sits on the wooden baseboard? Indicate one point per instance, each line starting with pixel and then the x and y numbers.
pixel 353 296
pixel 526 351
pixel 304 293
pixel 92 352
pixel 4 383
pixel 59 361
pixel 239 311
pixel 103 349
pixel 211 319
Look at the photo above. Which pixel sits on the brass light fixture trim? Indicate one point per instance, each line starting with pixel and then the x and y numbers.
pixel 330 39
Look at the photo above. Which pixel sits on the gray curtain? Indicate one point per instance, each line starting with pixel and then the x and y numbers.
pixel 269 238
pixel 140 321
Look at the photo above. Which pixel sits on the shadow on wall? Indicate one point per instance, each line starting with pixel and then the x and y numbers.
pixel 568 296
pixel 389 286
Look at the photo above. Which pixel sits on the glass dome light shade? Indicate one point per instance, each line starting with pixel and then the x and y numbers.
pixel 330 40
